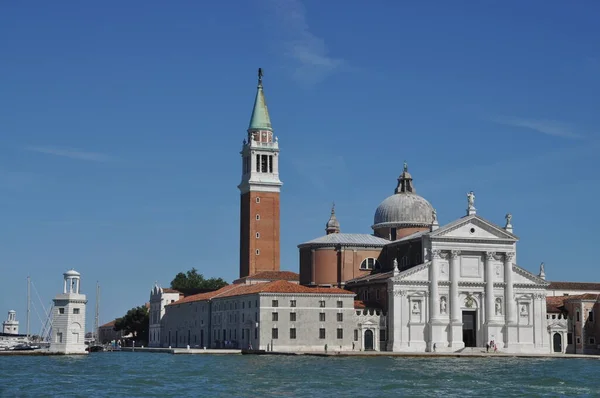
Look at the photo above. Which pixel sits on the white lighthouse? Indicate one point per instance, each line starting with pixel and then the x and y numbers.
pixel 68 320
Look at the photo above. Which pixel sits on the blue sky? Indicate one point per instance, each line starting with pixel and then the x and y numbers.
pixel 121 125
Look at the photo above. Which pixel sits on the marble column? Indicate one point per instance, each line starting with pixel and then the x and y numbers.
pixel 454 277
pixel 509 300
pixel 489 287
pixel 434 296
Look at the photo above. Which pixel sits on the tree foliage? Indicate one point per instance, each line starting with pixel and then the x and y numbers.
pixel 136 322
pixel 192 282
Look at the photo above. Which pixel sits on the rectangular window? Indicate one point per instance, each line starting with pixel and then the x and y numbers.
pixel 292 333
pixel 592 340
pixel 59 337
pixel 258 163
pixel 243 316
pixel 256 317
pixel 243 334
pixel 270 164
pixel 578 340
pixel 591 316
pixel 322 317
pixel 292 317
pixel 322 333
pixel 577 316
pixel 340 333
pixel 275 303
pixel 340 304
pixel 355 334
pixel 264 164
pixel 61 310
pixel 255 333
pixel 340 317
pixel 292 303
pixel 322 303
pixel 274 333
pixel 275 317
pixel 76 311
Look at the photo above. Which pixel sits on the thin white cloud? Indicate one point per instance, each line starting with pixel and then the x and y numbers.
pixel 309 54
pixel 71 153
pixel 549 127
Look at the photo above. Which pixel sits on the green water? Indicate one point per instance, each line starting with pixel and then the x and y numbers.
pixel 164 375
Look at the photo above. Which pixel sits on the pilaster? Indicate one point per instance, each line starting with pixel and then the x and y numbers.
pixel 456 337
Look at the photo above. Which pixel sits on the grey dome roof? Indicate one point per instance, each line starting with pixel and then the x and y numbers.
pixel 405 208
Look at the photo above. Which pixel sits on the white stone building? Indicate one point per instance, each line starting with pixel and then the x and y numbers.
pixel 68 317
pixel 460 287
pixel 11 325
pixel 159 298
pixel 279 315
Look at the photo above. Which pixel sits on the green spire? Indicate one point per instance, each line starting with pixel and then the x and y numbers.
pixel 260 114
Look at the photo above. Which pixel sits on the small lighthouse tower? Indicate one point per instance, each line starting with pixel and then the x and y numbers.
pixel 68 317
pixel 11 325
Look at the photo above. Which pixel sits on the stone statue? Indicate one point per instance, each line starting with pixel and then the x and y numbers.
pixel 443 305
pixel 276 139
pixel 415 308
pixel 523 311
pixel 434 216
pixel 471 198
pixel 405 166
pixel 498 306
pixel 508 218
pixel 542 270
pixel 395 264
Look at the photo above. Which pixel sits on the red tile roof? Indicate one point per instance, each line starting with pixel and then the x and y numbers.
pixel 279 286
pixel 553 304
pixel 589 286
pixel 359 305
pixel 271 276
pixel 109 324
pixel 168 290
pixel 586 296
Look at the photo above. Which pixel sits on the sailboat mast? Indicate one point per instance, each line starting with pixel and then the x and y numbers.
pixel 28 303
pixel 96 319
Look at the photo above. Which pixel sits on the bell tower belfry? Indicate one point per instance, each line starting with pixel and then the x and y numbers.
pixel 259 189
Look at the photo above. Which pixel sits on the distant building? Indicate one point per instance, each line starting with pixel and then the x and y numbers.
pixel 107 333
pixel 159 298
pixel 11 325
pixel 68 320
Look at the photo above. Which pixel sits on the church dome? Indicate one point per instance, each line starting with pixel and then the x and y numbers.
pixel 405 208
pixel 72 272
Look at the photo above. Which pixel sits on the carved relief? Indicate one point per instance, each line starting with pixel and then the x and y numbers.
pixel 509 256
pixel 498 270
pixel 436 254
pixel 469 301
pixel 524 311
pixel 400 293
pixel 443 268
pixel 489 255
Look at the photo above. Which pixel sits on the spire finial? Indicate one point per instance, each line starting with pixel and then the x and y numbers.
pixel 260 75
pixel 332 207
pixel 405 166
pixel 405 181
pixel 333 225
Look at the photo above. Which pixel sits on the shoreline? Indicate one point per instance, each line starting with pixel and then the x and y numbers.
pixel 338 354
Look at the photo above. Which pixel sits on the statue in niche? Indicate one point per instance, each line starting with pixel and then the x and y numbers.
pixel 471 199
pixel 415 308
pixel 498 306
pixel 523 310
pixel 469 301
pixel 498 269
pixel 443 305
pixel 442 268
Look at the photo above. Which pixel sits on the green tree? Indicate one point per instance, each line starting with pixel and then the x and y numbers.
pixel 136 322
pixel 192 282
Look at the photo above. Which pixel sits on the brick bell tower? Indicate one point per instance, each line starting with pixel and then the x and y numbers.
pixel 260 187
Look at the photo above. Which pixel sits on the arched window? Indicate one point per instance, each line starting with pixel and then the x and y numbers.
pixel 369 263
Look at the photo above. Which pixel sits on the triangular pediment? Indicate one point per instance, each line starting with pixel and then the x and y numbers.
pixel 473 227
pixel 418 273
pixel 522 276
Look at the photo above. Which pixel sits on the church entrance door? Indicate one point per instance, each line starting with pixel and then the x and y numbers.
pixel 369 340
pixel 557 340
pixel 469 319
